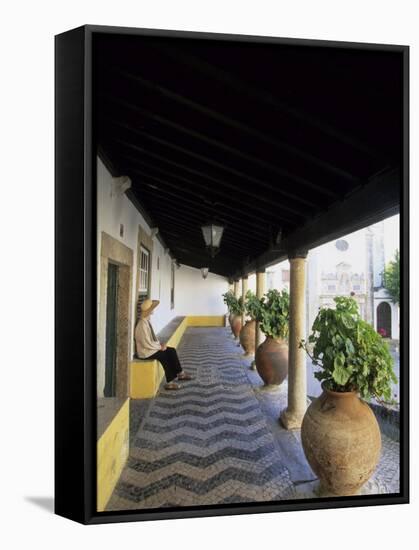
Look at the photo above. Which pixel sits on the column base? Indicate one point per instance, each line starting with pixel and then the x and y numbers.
pixel 253 365
pixel 291 420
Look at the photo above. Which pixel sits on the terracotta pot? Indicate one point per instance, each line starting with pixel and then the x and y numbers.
pixel 341 441
pixel 236 325
pixel 272 361
pixel 230 320
pixel 247 337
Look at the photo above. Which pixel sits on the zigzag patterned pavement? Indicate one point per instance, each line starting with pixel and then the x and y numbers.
pixel 208 443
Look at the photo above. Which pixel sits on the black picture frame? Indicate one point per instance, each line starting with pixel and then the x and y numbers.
pixel 75 289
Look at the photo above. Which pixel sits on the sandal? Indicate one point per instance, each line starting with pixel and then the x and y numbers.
pixel 185 377
pixel 171 386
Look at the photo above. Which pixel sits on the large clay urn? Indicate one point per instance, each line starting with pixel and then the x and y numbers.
pixel 341 441
pixel 236 325
pixel 247 337
pixel 272 361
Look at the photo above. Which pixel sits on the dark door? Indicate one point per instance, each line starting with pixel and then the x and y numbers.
pixel 111 334
pixel 384 319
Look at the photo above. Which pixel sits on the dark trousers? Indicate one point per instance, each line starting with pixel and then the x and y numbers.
pixel 169 361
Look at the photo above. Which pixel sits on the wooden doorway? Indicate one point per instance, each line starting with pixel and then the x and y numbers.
pixel 111 331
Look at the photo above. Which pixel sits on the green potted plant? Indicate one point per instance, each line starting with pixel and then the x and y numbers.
pixel 340 434
pixel 236 309
pixel 272 355
pixel 228 299
pixel 248 332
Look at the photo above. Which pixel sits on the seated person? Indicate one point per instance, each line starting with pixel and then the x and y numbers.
pixel 149 347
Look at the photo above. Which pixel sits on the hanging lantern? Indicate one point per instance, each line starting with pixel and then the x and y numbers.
pixel 212 233
pixel 204 272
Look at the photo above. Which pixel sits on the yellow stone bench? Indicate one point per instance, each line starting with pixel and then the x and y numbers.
pixel 146 375
pixel 112 445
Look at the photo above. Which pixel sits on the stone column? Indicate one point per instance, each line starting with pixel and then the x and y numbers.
pixel 260 291
pixel 291 417
pixel 245 285
pixel 237 288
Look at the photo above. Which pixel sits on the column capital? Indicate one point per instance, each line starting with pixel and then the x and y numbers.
pixel 297 253
pixel 261 270
pixel 245 277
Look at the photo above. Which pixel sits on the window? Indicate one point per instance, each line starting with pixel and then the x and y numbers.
pixel 144 270
pixel 172 287
pixel 143 278
pixel 342 245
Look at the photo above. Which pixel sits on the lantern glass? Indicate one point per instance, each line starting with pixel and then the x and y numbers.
pixel 212 234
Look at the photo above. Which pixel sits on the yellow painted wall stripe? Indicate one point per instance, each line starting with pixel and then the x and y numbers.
pixel 112 454
pixel 206 320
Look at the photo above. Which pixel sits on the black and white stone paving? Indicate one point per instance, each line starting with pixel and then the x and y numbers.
pixel 209 442
pixel 217 440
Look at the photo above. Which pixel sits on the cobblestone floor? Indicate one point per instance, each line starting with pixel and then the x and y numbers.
pixel 218 440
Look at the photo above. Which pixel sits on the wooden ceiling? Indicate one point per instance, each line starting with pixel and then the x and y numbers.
pixel 263 137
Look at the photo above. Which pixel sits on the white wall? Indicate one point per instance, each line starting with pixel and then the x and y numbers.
pixel 193 294
pixel 116 210
pixel 197 296
pixel 251 283
pixel 112 211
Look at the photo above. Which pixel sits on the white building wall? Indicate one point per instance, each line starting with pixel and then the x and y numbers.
pixel 251 284
pixel 160 286
pixel 193 295
pixel 112 211
pixel 197 296
pixel 116 210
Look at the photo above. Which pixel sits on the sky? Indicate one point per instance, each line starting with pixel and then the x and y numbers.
pixel 329 256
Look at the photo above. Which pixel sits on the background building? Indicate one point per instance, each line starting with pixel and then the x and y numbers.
pixel 352 265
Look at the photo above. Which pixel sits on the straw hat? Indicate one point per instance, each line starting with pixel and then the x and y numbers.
pixel 147 307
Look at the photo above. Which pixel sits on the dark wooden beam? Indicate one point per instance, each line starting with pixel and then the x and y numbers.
pixel 374 202
pixel 221 145
pixel 254 225
pixel 223 183
pixel 238 125
pixel 248 206
pixel 187 224
pixel 219 264
pixel 262 96
pixel 238 173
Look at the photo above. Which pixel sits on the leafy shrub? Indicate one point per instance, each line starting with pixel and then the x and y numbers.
pixel 228 298
pixel 391 278
pixel 273 314
pixel 252 305
pixel 234 305
pixel 351 354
